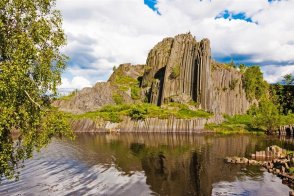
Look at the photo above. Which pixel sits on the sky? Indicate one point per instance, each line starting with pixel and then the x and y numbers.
pixel 105 33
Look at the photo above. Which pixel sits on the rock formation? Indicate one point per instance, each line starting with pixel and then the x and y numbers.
pixel 103 93
pixel 178 69
pixel 182 68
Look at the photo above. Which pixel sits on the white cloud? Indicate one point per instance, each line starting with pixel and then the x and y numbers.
pixel 105 33
pixel 274 73
pixel 76 83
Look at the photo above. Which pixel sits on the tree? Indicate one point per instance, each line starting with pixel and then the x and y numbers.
pixel 288 79
pixel 255 86
pixel 31 65
pixel 266 116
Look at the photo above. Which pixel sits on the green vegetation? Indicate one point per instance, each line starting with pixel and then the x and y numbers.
pixel 175 72
pixel 118 99
pixel 291 170
pixel 266 116
pixel 31 65
pixel 115 113
pixel 260 119
pixel 255 86
pixel 233 84
pixel 234 124
pixel 288 79
pixel 125 83
pixel 135 92
pixel 283 96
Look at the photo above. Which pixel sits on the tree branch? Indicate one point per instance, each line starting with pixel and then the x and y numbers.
pixel 32 99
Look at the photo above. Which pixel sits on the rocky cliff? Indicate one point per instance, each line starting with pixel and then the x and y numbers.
pixel 180 69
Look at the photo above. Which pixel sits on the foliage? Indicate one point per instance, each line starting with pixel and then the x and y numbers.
pixel 267 116
pixel 30 66
pixel 242 68
pixel 234 124
pixel 114 113
pixel 138 112
pixel 291 170
pixel 175 72
pixel 135 92
pixel 118 99
pixel 233 84
pixel 125 83
pixel 288 79
pixel 255 86
pixel 232 64
pixel 283 95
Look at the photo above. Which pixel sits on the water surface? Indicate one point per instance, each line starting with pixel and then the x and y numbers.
pixel 147 164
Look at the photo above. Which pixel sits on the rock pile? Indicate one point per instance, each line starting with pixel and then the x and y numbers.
pixel 270 152
pixel 278 162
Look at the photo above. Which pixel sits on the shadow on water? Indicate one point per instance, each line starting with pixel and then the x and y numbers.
pixel 144 164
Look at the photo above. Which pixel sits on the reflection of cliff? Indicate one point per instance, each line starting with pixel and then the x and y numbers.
pixel 179 164
pixel 193 173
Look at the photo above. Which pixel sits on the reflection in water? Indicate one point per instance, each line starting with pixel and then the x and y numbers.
pixel 144 164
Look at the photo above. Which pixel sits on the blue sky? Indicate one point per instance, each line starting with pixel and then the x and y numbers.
pixel 105 33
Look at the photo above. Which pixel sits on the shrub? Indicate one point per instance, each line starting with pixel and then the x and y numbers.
pixel 117 98
pixel 175 72
pixel 135 92
pixel 267 116
pixel 138 112
pixel 233 84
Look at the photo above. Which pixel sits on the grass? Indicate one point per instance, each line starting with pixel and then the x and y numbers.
pixel 234 124
pixel 291 170
pixel 125 83
pixel 115 113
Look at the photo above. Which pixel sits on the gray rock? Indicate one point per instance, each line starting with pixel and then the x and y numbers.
pixel 181 65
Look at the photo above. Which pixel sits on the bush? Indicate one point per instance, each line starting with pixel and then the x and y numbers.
pixel 233 84
pixel 117 98
pixel 138 112
pixel 267 116
pixel 135 92
pixel 175 72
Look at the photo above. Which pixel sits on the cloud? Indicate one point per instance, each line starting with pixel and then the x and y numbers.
pixel 105 33
pixel 274 73
pixel 76 83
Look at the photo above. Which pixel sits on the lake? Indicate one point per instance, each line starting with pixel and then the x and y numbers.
pixel 147 164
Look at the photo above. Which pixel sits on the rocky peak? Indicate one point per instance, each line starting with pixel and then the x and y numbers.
pixel 182 67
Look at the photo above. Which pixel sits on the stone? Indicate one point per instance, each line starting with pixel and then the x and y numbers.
pixel 283 169
pixel 182 66
pixel 253 162
pixel 244 160
pixel 228 160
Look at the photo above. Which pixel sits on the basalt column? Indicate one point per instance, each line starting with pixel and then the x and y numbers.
pixel 203 89
pixel 153 78
pixel 179 74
